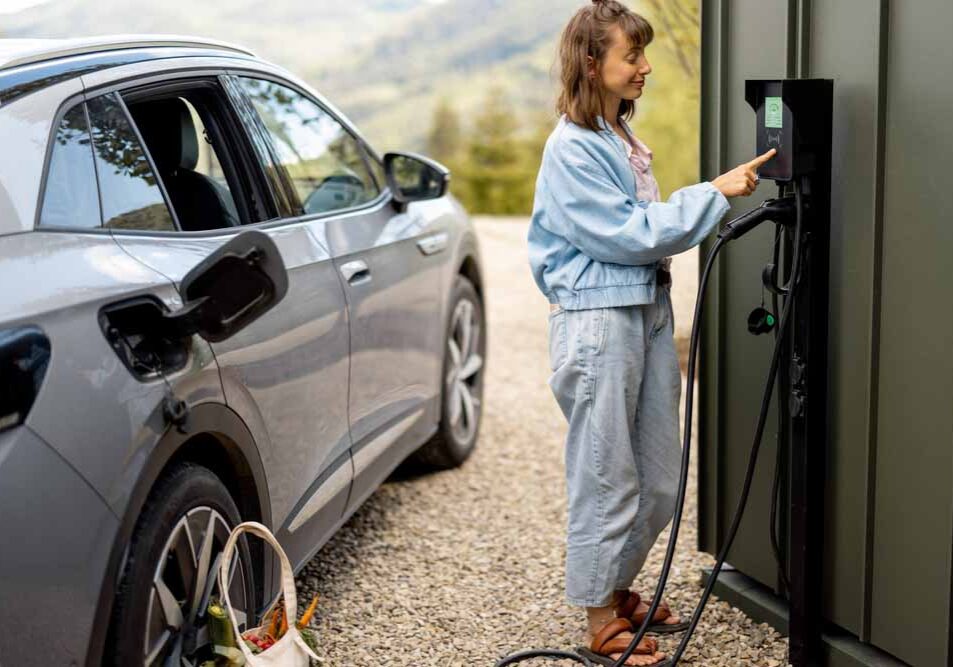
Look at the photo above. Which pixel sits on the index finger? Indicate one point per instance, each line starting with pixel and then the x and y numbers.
pixel 761 159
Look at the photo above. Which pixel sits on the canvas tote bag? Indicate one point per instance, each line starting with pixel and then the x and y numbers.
pixel 290 650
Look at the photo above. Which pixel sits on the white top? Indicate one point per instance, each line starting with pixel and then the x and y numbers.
pixel 646 187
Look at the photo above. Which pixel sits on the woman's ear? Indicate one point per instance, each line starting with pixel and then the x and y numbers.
pixel 591 67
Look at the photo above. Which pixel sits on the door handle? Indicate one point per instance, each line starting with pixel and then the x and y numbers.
pixel 356 272
pixel 433 243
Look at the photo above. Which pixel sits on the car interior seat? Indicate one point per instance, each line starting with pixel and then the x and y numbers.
pixel 199 201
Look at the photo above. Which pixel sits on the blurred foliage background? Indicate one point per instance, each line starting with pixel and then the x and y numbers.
pixel 494 153
pixel 472 83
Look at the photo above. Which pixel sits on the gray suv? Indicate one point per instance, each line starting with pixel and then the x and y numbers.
pixel 218 304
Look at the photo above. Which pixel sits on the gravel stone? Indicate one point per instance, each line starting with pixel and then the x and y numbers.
pixel 465 566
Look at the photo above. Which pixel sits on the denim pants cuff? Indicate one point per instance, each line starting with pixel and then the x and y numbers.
pixel 582 602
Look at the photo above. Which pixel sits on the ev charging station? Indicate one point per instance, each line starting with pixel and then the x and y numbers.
pixel 792 116
pixel 887 592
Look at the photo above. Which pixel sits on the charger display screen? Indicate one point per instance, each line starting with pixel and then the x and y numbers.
pixel 773 112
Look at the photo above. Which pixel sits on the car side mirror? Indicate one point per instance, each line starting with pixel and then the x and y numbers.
pixel 413 177
pixel 231 288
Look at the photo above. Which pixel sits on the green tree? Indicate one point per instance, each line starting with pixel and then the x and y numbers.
pixel 495 172
pixel 680 28
pixel 444 138
pixel 540 125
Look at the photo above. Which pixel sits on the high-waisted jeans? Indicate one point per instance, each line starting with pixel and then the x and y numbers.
pixel 617 381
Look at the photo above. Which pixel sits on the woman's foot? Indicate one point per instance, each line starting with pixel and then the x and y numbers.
pixel 643 609
pixel 634 658
pixel 631 605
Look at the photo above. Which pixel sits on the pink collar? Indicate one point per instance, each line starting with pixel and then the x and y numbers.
pixel 642 152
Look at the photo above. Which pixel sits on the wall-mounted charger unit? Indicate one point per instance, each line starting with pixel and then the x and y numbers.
pixel 793 116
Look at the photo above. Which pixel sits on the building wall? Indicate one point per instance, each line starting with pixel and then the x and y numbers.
pixel 889 528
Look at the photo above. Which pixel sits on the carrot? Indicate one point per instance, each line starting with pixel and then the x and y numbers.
pixel 273 624
pixel 284 626
pixel 306 617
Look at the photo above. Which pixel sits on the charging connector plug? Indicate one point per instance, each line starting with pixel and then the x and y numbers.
pixel 782 211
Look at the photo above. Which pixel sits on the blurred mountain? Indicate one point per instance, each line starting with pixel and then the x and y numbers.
pixel 387 63
pixel 289 33
pixel 380 61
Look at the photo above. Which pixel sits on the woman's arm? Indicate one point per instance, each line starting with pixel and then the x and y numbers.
pixel 596 216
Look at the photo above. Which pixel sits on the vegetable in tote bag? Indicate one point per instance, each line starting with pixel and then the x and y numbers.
pixel 289 651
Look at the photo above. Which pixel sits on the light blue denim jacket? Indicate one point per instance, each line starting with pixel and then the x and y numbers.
pixel 592 244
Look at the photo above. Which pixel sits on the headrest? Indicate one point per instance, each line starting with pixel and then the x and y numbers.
pixel 166 126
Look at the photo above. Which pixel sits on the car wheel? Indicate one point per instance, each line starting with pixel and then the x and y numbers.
pixel 171 572
pixel 463 369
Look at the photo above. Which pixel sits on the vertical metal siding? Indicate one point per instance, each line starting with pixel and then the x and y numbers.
pixel 913 510
pixel 853 64
pixel 755 46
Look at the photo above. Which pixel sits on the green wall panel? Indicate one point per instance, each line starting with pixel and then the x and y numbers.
pixel 853 64
pixel 913 525
pixel 752 54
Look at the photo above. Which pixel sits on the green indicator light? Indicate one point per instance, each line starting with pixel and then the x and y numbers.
pixel 773 111
pixel 770 319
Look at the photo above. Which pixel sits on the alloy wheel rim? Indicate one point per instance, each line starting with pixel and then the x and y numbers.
pixel 462 383
pixel 186 576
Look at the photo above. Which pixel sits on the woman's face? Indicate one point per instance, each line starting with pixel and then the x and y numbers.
pixel 624 67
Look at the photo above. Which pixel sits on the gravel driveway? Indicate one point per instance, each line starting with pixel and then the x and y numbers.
pixel 464 566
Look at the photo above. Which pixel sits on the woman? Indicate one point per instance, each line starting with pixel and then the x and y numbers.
pixel 599 243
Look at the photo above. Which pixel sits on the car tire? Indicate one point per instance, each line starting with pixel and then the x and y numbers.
pixel 169 537
pixel 460 414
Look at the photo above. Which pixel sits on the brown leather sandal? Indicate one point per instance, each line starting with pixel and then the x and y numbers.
pixel 606 642
pixel 657 626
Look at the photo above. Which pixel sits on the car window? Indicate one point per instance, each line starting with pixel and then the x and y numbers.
pixel 207 162
pixel 322 159
pixel 282 193
pixel 70 198
pixel 189 154
pixel 129 192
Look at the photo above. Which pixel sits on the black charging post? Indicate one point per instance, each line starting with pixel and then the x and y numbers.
pixel 794 116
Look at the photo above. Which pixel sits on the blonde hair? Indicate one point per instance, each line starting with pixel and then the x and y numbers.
pixel 587 34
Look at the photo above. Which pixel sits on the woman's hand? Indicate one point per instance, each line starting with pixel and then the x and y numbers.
pixel 742 180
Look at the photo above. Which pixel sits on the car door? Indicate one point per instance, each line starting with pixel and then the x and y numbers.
pixel 389 263
pixel 285 372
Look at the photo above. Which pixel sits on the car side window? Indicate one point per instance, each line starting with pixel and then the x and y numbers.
pixel 324 162
pixel 130 194
pixel 70 198
pixel 187 142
